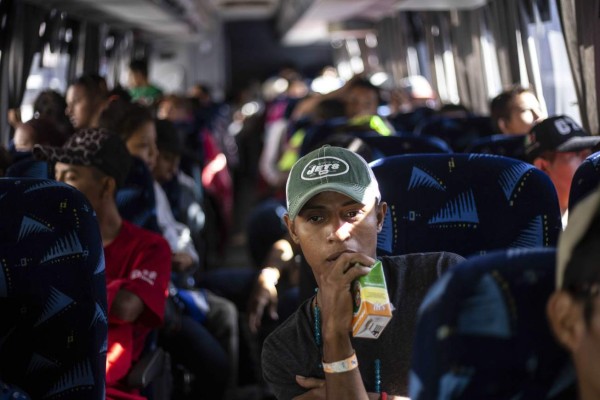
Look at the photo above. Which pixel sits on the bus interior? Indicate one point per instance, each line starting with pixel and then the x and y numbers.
pixel 244 82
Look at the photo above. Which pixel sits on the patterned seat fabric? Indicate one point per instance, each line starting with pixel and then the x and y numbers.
pixel 52 291
pixel 135 200
pixel 586 179
pixel 466 204
pixel 459 133
pixel 482 332
pixel 502 145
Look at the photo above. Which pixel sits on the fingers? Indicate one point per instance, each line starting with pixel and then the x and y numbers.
pixel 254 320
pixel 348 267
pixel 356 272
pixel 273 310
pixel 310 383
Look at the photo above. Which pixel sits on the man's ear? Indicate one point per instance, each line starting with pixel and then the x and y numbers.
pixel 541 164
pixel 502 125
pixel 109 187
pixel 381 211
pixel 291 228
pixel 566 319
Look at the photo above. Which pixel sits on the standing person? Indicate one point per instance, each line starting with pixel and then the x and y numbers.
pixel 138 262
pixel 140 89
pixel 574 308
pixel 515 111
pixel 558 146
pixel 334 214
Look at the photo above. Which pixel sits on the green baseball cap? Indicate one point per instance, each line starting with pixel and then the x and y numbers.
pixel 575 263
pixel 330 169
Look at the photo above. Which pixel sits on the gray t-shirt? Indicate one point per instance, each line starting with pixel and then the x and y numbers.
pixel 291 349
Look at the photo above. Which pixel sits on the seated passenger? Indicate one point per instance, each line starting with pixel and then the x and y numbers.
pixel 181 189
pixel 515 111
pixel 96 162
pixel 86 98
pixel 574 308
pixel 135 126
pixel 334 216
pixel 52 105
pixel 558 146
pixel 212 361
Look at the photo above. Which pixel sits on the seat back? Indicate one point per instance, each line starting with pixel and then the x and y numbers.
pixel 482 332
pixel 459 133
pixel 502 145
pixel 407 122
pixel 385 146
pixel 135 200
pixel 466 204
pixel 265 227
pixel 53 334
pixel 25 166
pixel 586 179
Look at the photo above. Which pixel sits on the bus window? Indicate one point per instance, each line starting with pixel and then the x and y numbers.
pixel 546 42
pixel 48 73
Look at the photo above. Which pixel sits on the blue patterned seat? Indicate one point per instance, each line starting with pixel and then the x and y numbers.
pixel 586 179
pixel 482 332
pixel 52 292
pixel 25 166
pixel 135 200
pixel 466 204
pixel 501 145
pixel 459 133
pixel 385 146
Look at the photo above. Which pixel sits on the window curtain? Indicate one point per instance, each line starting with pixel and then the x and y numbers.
pixel 5 7
pixel 393 42
pixel 504 21
pixel 580 22
pixel 20 42
pixel 465 29
pixel 25 41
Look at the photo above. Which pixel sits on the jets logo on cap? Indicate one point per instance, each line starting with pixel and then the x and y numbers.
pixel 324 167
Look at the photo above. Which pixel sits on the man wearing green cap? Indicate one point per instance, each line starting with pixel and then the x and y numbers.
pixel 574 308
pixel 334 214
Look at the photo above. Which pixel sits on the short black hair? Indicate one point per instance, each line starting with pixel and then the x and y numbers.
pixel 140 66
pixel 364 84
pixel 124 118
pixel 94 85
pixel 500 105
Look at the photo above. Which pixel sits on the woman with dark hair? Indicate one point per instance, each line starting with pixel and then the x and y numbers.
pixel 52 105
pixel 135 125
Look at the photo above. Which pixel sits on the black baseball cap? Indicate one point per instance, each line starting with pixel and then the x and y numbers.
pixel 560 134
pixel 94 147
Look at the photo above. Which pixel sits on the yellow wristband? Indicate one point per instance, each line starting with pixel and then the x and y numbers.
pixel 341 366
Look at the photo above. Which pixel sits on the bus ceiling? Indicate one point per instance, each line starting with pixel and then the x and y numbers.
pixel 179 19
pixel 301 22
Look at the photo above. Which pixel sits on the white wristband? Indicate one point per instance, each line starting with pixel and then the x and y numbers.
pixel 341 366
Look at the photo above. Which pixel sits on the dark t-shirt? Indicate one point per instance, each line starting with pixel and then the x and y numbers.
pixel 291 349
